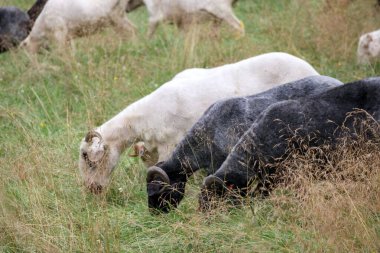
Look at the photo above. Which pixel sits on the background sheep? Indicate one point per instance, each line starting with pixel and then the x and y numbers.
pixel 161 119
pixel 369 47
pixel 63 20
pixel 209 142
pixel 177 11
pixel 14 27
pixel 15 24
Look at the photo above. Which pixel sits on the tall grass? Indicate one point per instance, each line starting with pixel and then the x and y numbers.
pixel 48 104
pixel 335 191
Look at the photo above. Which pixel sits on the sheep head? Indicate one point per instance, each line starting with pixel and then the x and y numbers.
pixel 366 49
pixel 162 193
pixel 96 161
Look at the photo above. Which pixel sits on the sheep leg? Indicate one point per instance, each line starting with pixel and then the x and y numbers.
pixel 228 16
pixel 153 24
pixel 179 22
pixel 150 158
pixel 33 42
pixel 31 45
pixel 122 24
pixel 60 36
pixel 235 23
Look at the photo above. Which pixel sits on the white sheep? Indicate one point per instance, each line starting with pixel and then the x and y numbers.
pixel 162 118
pixel 64 19
pixel 177 11
pixel 369 47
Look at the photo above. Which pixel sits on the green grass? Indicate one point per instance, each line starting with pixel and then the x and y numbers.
pixel 47 107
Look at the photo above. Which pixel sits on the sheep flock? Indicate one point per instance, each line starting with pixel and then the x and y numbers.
pixel 251 126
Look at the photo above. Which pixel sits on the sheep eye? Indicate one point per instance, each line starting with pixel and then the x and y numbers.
pixel 92 165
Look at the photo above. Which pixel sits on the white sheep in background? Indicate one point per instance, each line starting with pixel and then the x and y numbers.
pixel 162 118
pixel 64 19
pixel 369 47
pixel 177 11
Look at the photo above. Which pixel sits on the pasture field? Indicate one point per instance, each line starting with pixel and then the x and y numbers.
pixel 48 104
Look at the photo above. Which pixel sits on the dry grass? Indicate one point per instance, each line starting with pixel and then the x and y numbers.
pixel 337 23
pixel 328 27
pixel 335 191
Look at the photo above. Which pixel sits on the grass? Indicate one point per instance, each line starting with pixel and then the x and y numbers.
pixel 47 106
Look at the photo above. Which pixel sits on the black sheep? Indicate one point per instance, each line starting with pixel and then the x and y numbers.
pixel 16 24
pixel 323 116
pixel 210 140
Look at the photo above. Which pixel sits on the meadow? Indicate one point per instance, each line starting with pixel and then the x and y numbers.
pixel 48 104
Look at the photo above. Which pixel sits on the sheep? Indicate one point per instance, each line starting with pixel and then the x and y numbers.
pixel 161 118
pixel 327 116
pixel 177 11
pixel 191 73
pixel 368 47
pixel 209 142
pixel 15 24
pixel 62 20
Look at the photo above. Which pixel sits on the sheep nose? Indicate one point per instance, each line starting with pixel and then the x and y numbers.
pixel 95 188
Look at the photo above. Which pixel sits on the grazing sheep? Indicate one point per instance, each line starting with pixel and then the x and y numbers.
pixel 369 47
pixel 161 119
pixel 14 27
pixel 323 115
pixel 177 11
pixel 62 20
pixel 209 142
pixel 15 24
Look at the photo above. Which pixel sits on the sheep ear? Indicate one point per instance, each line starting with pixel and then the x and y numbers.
pixel 138 149
pixel 96 148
